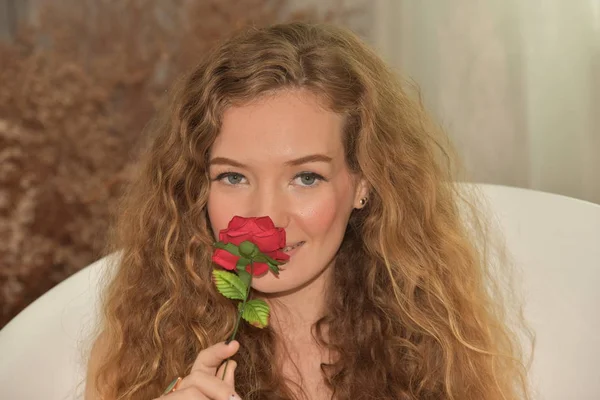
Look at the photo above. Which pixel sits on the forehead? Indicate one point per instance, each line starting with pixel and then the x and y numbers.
pixel 282 124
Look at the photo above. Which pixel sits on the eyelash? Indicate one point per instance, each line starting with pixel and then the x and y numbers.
pixel 318 178
pixel 314 175
pixel 224 175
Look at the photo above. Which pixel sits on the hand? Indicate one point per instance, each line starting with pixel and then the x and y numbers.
pixel 204 381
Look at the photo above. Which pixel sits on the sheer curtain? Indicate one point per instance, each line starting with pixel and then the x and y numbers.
pixel 515 83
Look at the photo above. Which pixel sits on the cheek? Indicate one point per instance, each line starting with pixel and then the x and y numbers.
pixel 324 216
pixel 220 211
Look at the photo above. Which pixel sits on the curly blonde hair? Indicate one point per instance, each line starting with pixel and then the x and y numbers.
pixel 412 314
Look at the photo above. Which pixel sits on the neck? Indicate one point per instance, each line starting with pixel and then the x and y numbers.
pixel 293 313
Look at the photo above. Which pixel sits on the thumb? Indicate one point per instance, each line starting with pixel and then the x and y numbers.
pixel 209 359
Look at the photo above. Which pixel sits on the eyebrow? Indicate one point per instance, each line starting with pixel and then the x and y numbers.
pixel 295 162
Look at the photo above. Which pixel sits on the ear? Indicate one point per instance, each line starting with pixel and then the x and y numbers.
pixel 361 195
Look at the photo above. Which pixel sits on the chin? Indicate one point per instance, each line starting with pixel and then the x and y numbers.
pixel 288 281
pixel 272 284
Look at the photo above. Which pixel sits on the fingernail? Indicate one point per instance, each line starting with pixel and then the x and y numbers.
pixel 227 341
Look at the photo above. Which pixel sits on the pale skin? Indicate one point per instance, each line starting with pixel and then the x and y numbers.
pixel 281 156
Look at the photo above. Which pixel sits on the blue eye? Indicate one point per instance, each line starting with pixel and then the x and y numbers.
pixel 231 178
pixel 308 178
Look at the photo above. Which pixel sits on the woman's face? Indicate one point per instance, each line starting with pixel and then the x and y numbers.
pixel 282 156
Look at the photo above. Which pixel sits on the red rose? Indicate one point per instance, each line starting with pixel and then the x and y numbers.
pixel 260 231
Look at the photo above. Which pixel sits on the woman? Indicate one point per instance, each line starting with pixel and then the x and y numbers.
pixel 385 294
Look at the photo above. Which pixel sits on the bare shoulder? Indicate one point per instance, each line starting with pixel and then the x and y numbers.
pixel 97 355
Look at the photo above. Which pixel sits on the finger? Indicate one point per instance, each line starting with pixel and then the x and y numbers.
pixel 210 386
pixel 211 358
pixel 229 370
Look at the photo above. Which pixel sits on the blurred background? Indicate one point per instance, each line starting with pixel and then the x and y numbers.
pixel 515 83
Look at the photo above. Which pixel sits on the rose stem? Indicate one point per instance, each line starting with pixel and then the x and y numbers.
pixel 240 312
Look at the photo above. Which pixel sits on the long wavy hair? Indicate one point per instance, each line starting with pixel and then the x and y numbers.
pixel 415 312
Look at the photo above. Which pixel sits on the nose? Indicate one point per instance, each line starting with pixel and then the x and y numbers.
pixel 272 203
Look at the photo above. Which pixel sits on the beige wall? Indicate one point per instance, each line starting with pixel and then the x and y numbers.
pixel 516 83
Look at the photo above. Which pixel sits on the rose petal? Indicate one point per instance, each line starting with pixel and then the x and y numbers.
pixel 278 255
pixel 265 223
pixel 225 259
pixel 237 222
pixel 258 268
pixel 270 232
pixel 282 242
pixel 267 241
pixel 235 237
pixel 224 236
pixel 251 226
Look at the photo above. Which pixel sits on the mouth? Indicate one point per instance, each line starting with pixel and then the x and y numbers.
pixel 292 247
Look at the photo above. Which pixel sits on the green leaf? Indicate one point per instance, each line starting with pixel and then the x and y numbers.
pixel 248 249
pixel 245 277
pixel 260 257
pixel 229 284
pixel 274 268
pixel 242 263
pixel 230 247
pixel 256 312
pixel 263 258
pixel 272 260
pixel 219 245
